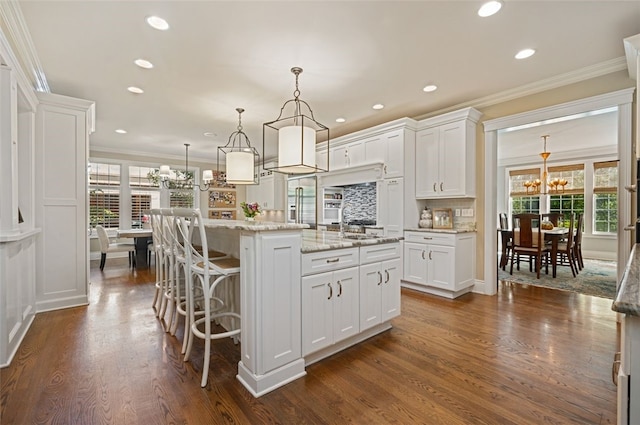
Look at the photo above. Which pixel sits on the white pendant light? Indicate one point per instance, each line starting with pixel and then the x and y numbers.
pixel 241 161
pixel 296 137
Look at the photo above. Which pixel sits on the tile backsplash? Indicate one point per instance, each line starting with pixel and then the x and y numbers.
pixel 359 202
pixel 459 222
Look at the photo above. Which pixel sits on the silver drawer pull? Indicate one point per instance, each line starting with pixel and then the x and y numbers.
pixel 334 260
pixel 330 291
pixel 427 239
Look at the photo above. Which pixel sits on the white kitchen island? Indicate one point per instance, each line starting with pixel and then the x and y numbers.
pixel 271 295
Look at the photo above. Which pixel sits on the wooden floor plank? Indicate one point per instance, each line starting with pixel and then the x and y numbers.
pixel 525 356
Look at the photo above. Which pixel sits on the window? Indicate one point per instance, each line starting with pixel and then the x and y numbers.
pixel 144 193
pixel 104 195
pixel 521 194
pixel 605 197
pixel 567 198
pixel 181 199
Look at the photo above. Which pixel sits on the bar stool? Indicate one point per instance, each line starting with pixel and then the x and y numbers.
pixel 207 275
pixel 183 276
pixel 156 235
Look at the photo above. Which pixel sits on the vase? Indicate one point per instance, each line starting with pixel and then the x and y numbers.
pixel 250 219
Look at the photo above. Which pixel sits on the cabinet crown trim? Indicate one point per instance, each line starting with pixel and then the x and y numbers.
pixel 470 114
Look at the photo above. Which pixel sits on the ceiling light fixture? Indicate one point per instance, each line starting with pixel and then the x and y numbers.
pixel 186 183
pixel 136 90
pixel 157 23
pixel 378 106
pixel 525 53
pixel 340 120
pixel 241 162
pixel 534 185
pixel 296 137
pixel 489 8
pixel 429 88
pixel 143 63
pixel 121 131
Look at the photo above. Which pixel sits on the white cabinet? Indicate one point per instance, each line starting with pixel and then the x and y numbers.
pixel 439 263
pixel 387 148
pixel 391 207
pixel 445 156
pixel 330 308
pixel 348 155
pixel 380 275
pixel 269 193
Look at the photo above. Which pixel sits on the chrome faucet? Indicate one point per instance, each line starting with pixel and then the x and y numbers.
pixel 341 212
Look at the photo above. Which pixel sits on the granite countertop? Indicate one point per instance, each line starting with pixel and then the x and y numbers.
pixel 317 240
pixel 255 226
pixel 421 229
pixel 628 298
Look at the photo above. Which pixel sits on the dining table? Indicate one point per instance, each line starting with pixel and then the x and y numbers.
pixel 141 238
pixel 553 236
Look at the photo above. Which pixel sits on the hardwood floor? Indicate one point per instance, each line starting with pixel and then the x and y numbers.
pixel 526 356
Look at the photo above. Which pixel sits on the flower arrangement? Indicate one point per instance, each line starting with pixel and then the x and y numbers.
pixel 251 209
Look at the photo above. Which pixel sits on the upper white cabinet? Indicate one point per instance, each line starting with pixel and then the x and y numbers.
pixel 346 155
pixel 269 193
pixel 387 148
pixel 445 155
pixel 381 144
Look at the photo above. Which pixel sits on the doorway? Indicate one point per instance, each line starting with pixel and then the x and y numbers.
pixel 622 100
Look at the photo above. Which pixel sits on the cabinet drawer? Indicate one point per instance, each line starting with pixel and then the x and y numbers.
pixel 379 252
pixel 448 239
pixel 318 262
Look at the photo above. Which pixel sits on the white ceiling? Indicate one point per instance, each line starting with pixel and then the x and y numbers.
pixel 220 55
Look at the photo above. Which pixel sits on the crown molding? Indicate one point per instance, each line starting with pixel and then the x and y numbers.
pixel 20 38
pixel 587 73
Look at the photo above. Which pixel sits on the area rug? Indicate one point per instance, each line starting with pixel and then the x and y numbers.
pixel 597 278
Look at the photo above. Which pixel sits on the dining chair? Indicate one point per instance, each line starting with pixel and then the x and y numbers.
pixel 506 236
pixel 106 246
pixel 554 217
pixel 529 241
pixel 207 277
pixel 566 255
pixel 577 243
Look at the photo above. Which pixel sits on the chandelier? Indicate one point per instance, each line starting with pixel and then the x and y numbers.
pixel 296 136
pixel 548 186
pixel 186 183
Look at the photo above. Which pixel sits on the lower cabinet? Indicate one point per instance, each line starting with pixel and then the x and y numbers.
pixel 330 306
pixel 346 293
pixel 379 292
pixel 439 263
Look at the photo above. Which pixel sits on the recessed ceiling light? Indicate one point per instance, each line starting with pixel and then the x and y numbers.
pixel 525 53
pixel 378 106
pixel 136 90
pixel 489 8
pixel 157 23
pixel 340 119
pixel 430 88
pixel 121 131
pixel 209 134
pixel 142 63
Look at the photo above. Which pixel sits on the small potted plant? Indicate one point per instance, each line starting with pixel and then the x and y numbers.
pixel 250 210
